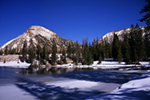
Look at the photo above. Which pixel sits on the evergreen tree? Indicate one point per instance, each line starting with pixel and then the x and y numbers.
pixel 97 50
pixel 12 51
pixel 139 43
pixel 119 55
pixel 146 10
pixel 136 44
pixel 31 54
pixel 1 52
pixel 93 50
pixel 6 50
pixel 115 47
pixel 24 51
pixel 74 58
pixel 146 18
pixel 135 56
pixel 38 51
pixel 87 58
pixel 132 42
pixel 69 51
pixel 108 51
pixel 126 49
pixel 100 58
pixel 44 53
pixel 147 44
pixel 77 52
pixel 103 49
pixel 31 51
pixel 54 51
pixel 61 59
pixel 64 56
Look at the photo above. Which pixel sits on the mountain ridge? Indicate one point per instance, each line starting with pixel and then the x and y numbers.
pixel 109 36
pixel 37 34
pixel 43 36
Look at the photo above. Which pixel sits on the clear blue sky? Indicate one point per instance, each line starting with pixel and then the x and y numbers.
pixel 70 19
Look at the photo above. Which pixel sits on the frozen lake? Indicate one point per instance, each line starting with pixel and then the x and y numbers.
pixel 77 85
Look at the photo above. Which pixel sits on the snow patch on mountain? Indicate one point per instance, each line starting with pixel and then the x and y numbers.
pixel 14 46
pixel 109 36
pixel 39 35
pixel 36 30
pixel 7 43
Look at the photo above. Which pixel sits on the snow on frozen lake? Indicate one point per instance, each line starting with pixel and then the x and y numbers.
pixel 77 85
pixel 136 89
pixel 12 92
pixel 84 85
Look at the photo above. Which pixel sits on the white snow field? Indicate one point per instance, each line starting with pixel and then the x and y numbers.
pixel 15 64
pixel 106 65
pixel 68 86
pixel 136 89
pixel 84 85
pixel 12 92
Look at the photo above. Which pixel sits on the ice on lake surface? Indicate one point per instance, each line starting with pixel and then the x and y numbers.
pixel 76 85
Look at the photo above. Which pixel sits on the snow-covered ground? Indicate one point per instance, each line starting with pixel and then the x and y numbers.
pixel 106 65
pixel 15 64
pixel 12 92
pixel 54 90
pixel 84 85
pixel 136 89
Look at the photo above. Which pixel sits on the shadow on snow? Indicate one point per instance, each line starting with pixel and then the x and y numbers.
pixel 99 76
pixel 125 94
pixel 50 92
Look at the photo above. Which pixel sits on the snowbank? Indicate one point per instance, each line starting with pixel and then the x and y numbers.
pixel 137 89
pixel 84 85
pixel 110 64
pixel 15 64
pixel 13 92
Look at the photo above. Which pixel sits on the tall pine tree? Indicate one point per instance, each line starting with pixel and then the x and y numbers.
pixel 38 51
pixel 147 44
pixel 24 51
pixel 139 43
pixel 31 51
pixel 86 54
pixel 115 47
pixel 119 55
pixel 126 49
pixel 64 56
pixel 54 52
pixel 6 50
pixel 132 42
pixel 146 10
pixel 69 51
pixel 146 18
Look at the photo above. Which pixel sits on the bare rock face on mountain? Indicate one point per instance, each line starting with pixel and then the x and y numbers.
pixel 120 33
pixel 39 35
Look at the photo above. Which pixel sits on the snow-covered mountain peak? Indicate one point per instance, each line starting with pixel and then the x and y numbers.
pixel 39 30
pixel 120 33
pixel 36 35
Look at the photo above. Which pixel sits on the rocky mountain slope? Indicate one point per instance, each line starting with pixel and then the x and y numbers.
pixel 120 33
pixel 39 35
